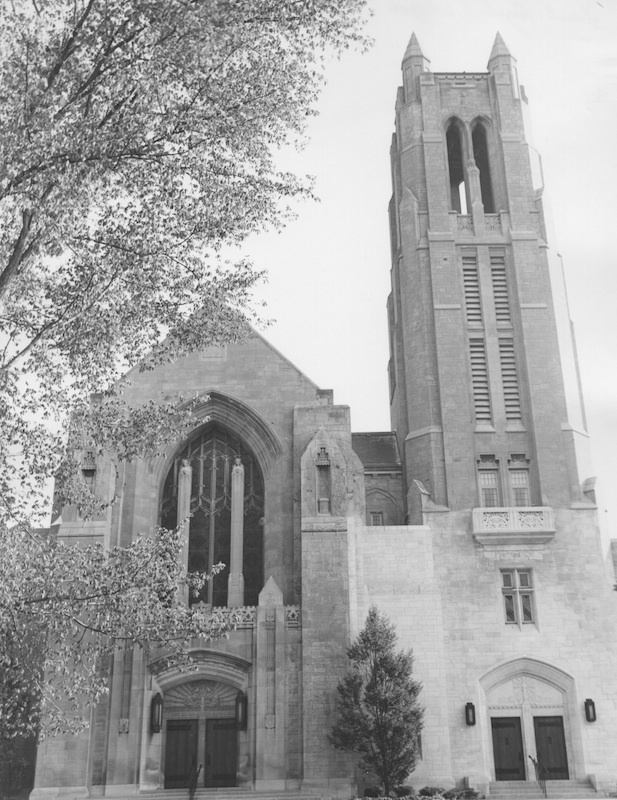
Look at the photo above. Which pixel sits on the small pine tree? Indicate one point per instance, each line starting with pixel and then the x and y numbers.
pixel 379 714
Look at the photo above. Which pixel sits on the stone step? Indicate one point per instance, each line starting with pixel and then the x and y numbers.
pixel 530 790
pixel 231 793
pixel 566 790
pixel 513 790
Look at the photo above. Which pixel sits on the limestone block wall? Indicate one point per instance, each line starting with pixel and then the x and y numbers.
pixel 444 593
pixel 395 570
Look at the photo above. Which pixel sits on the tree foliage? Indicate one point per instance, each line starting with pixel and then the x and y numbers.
pixel 379 716
pixel 66 608
pixel 137 142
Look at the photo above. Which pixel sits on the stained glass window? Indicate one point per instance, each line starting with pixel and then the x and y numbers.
pixel 211 454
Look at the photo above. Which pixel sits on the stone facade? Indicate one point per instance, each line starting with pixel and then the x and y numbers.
pixel 468 524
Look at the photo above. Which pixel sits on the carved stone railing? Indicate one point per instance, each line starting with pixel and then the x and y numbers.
pixel 492 222
pixel 529 525
pixel 243 617
pixel 464 222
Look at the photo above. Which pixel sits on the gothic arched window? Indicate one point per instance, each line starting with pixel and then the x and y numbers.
pixel 456 169
pixel 480 154
pixel 211 454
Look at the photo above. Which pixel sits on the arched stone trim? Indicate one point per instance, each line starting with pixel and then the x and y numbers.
pixel 481 119
pixel 557 677
pixel 377 491
pixel 240 419
pixel 207 664
pixel 527 666
pixel 388 495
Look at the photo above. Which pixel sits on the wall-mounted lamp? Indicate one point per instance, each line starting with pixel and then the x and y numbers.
pixel 241 710
pixel 590 710
pixel 156 713
pixel 470 714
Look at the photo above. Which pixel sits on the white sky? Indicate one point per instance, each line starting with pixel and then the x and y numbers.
pixel 329 270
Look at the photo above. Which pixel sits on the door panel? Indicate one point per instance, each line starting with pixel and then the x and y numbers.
pixel 180 752
pixel 221 752
pixel 551 747
pixel 508 749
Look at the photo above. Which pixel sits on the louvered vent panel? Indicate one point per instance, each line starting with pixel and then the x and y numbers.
pixel 479 379
pixel 500 288
pixel 509 379
pixel 471 285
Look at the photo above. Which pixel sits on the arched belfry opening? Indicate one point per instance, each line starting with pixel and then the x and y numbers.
pixel 456 169
pixel 480 154
pixel 217 479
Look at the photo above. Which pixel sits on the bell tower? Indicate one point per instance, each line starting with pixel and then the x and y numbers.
pixel 476 384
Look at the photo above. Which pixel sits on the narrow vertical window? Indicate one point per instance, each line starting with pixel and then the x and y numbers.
pixel 519 481
pixel 479 380
pixel 489 490
pixel 517 592
pixel 518 475
pixel 480 154
pixel 500 288
pixel 376 518
pixel 458 193
pixel 509 378
pixel 488 481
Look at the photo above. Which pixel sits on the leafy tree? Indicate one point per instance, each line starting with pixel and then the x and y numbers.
pixel 379 714
pixel 72 606
pixel 137 142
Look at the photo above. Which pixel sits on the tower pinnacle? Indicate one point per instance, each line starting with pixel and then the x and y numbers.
pixel 413 49
pixel 499 51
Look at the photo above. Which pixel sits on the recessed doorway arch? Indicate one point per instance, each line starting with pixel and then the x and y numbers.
pixel 199 723
pixel 530 712
pixel 201 735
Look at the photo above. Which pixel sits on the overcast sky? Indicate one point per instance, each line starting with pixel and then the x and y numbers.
pixel 329 270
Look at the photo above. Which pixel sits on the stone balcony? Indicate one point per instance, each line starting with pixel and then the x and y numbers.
pixel 519 526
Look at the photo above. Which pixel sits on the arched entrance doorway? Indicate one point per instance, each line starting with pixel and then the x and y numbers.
pixel 201 735
pixel 531 716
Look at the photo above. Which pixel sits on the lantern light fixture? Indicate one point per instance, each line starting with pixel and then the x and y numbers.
pixel 241 710
pixel 470 714
pixel 156 713
pixel 590 710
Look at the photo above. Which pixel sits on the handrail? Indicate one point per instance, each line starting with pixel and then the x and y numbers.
pixel 541 773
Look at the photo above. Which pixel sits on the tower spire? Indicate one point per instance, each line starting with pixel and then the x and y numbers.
pixel 414 63
pixel 499 53
pixel 413 49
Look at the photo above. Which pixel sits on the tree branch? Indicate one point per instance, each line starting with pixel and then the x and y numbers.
pixel 68 49
pixel 18 251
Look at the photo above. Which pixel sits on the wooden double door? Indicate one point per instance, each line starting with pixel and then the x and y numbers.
pixel 510 759
pixel 183 759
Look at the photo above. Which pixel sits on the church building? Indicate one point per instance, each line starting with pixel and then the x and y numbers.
pixel 472 524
